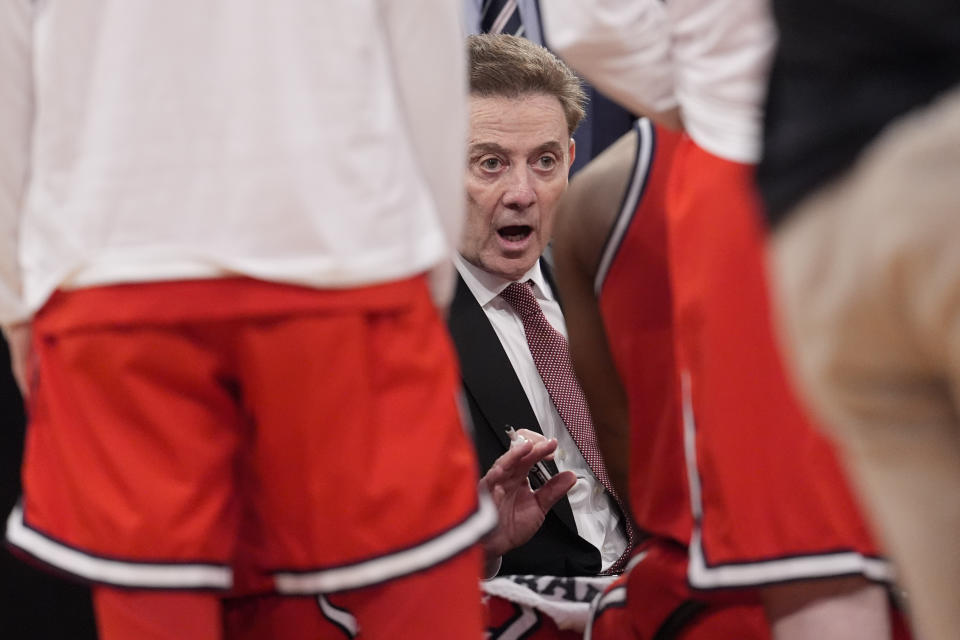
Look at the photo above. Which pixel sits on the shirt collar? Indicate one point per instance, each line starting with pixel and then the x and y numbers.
pixel 486 286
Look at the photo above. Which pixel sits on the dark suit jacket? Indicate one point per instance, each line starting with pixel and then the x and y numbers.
pixel 496 399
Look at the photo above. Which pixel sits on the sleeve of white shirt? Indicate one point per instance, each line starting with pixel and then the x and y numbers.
pixel 16 117
pixel 429 58
pixel 621 46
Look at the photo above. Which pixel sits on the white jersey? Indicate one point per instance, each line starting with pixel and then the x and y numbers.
pixel 710 58
pixel 317 143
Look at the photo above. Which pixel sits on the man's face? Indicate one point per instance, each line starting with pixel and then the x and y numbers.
pixel 519 155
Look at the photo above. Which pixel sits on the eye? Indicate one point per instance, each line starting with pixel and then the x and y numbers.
pixel 490 163
pixel 546 162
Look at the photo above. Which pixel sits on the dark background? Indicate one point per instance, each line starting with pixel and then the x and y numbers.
pixel 34 605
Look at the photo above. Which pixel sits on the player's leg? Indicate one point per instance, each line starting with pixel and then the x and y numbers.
pixel 867 274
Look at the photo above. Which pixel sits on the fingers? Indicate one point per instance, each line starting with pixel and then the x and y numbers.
pixel 535 438
pixel 538 452
pixel 531 436
pixel 506 466
pixel 521 466
pixel 513 466
pixel 511 461
pixel 555 488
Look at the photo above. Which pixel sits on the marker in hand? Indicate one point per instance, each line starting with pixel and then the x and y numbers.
pixel 539 473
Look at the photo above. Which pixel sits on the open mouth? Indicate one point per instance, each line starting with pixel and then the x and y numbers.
pixel 515 233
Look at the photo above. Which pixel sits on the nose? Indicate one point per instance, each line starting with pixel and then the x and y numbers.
pixel 519 193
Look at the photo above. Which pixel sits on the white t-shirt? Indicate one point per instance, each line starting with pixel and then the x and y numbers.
pixel 710 58
pixel 296 141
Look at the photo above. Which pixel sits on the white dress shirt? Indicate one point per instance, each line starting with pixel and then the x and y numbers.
pixel 709 57
pixel 292 140
pixel 596 515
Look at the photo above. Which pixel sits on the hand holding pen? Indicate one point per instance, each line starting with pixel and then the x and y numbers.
pixel 539 474
pixel 520 507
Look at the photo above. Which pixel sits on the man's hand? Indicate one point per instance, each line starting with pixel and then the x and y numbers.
pixel 521 510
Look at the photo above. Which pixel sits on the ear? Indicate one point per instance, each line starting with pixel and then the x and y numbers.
pixel 573 152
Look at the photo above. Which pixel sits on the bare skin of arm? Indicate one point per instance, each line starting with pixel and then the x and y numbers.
pixel 586 214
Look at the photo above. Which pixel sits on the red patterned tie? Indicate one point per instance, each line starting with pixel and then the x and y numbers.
pixel 552 358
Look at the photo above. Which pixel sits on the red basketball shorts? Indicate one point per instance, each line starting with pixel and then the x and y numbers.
pixel 769 498
pixel 652 601
pixel 237 434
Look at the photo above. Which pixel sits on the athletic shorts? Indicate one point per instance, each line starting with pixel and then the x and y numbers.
pixel 652 601
pixel 238 434
pixel 769 498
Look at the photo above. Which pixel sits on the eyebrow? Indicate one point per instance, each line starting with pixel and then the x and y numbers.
pixel 482 148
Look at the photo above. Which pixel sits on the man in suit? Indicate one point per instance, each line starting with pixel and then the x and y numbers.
pixel 524 107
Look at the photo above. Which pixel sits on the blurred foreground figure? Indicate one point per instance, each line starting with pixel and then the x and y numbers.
pixel 861 161
pixel 218 220
pixel 768 517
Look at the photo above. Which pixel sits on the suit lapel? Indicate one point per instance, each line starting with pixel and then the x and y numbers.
pixel 489 377
pixel 486 370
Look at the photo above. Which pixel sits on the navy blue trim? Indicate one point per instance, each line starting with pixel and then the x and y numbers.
pixel 54 570
pixel 679 619
pixel 493 634
pixel 346 632
pixel 624 201
pixel 794 556
pixel 708 565
pixel 437 562
pixel 781 581
pixel 615 604
pixel 376 583
pixel 414 545
pixel 110 557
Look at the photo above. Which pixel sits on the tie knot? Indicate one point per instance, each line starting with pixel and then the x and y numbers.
pixel 519 295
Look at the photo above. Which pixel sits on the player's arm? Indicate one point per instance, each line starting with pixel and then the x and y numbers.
pixel 848 608
pixel 428 54
pixel 622 47
pixel 587 212
pixel 16 119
